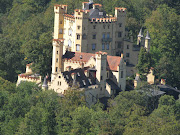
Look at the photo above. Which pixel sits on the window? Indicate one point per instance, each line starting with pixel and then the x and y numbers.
pixel 77 47
pixel 58 83
pixel 121 74
pixel 108 35
pixel 78 27
pixel 84 36
pixel 108 26
pixel 107 46
pixel 90 81
pixel 127 46
pixel 101 77
pixel 56 69
pixel 94 36
pixel 94 26
pixel 120 24
pixel 57 60
pixel 119 44
pixel 104 26
pixel 107 75
pixel 60 22
pixel 127 54
pixel 57 52
pixel 67 76
pixel 69 43
pixel 78 73
pixel 59 76
pixel 78 36
pixel 60 31
pixel 93 46
pixel 101 67
pixel 70 32
pixel 103 46
pixel 119 34
pixel 84 83
pixel 104 35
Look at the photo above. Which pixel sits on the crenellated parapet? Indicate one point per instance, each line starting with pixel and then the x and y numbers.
pixel 104 20
pixel 60 8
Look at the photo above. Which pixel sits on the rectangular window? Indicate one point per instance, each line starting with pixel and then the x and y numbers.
pixel 77 47
pixel 101 77
pixel 108 35
pixel 56 69
pixel 60 22
pixel 119 34
pixel 101 67
pixel 127 54
pixel 57 60
pixel 120 24
pixel 107 46
pixel 119 44
pixel 60 31
pixel 93 46
pixel 103 46
pixel 78 36
pixel 78 27
pixel 121 74
pixel 107 75
pixel 104 35
pixel 94 36
pixel 94 26
pixel 127 46
pixel 57 52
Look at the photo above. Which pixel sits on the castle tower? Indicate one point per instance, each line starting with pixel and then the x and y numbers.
pixel 59 11
pixel 120 14
pixel 81 29
pixel 122 74
pixel 57 63
pixel 140 36
pixel 147 42
pixel 101 63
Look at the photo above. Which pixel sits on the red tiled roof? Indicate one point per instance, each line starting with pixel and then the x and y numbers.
pixel 113 61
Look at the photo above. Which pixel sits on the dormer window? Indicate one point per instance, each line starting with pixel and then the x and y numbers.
pixel 84 83
pixel 67 76
pixel 78 74
pixel 90 81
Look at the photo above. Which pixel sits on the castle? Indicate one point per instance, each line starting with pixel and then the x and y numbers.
pixel 88 49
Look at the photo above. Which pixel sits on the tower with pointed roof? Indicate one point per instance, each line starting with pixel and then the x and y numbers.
pixel 147 42
pixel 140 36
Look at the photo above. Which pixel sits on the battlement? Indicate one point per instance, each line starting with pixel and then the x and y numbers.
pixel 120 9
pixel 104 20
pixel 69 17
pixel 101 53
pixel 81 13
pixel 58 8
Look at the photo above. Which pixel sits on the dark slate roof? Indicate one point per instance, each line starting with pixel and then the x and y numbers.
pixel 113 85
pixel 81 79
pixel 96 13
pixel 140 33
pixel 147 35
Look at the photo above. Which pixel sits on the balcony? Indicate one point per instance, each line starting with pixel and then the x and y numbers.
pixel 106 39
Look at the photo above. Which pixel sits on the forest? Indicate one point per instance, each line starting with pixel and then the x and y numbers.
pixel 27 110
pixel 26 28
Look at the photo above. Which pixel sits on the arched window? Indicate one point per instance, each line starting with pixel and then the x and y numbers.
pixel 69 43
pixel 70 32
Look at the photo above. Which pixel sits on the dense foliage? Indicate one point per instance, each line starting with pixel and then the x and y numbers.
pixel 27 110
pixel 26 28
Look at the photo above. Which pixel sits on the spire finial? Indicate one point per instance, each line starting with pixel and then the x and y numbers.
pixel 140 33
pixel 147 35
